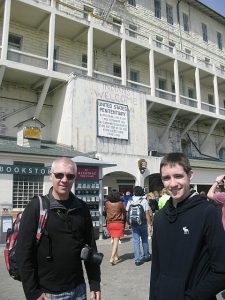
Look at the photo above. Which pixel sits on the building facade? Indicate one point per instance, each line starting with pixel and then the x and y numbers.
pixel 126 80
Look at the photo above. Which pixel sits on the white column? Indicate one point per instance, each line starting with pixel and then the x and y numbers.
pixel 198 85
pixel 152 68
pixel 90 48
pixel 123 57
pixel 176 79
pixel 216 94
pixel 5 30
pixel 51 40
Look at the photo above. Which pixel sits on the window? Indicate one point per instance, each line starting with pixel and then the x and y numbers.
pixel 204 33
pixel 132 30
pixel 157 5
pixel 134 76
pixel 14 42
pixel 219 40
pixel 186 22
pixel 188 53
pixel 169 14
pixel 132 2
pixel 162 86
pixel 117 70
pixel 207 61
pixel 116 24
pixel 211 102
pixel 159 41
pixel 210 99
pixel 173 87
pixel 55 57
pixel 191 93
pixel 25 187
pixel 84 60
pixel 87 10
pixel 171 46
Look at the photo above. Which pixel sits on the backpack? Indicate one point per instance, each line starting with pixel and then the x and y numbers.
pixel 11 240
pixel 136 214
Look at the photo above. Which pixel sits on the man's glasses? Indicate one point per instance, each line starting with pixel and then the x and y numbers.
pixel 61 175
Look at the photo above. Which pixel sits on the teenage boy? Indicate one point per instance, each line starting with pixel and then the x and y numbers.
pixel 188 246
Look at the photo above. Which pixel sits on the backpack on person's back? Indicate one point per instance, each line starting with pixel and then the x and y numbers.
pixel 136 213
pixel 12 234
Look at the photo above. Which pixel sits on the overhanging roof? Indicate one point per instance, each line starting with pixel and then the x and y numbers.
pixel 84 160
pixel 8 145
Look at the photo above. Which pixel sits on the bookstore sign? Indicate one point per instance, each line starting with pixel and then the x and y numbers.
pixel 24 170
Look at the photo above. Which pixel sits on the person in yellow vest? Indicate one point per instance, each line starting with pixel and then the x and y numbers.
pixel 164 198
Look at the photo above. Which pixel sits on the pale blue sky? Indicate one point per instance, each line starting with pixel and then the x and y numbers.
pixel 217 5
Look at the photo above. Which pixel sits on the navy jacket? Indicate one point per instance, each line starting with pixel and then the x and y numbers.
pixel 188 251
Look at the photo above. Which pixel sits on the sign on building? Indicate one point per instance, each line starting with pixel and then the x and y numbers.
pixel 112 120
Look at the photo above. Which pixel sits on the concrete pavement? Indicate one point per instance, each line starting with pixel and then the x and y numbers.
pixel 119 282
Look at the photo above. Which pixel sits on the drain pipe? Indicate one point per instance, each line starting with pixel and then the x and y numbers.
pixel 178 19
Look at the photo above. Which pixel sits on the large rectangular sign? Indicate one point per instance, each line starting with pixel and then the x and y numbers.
pixel 112 120
pixel 24 170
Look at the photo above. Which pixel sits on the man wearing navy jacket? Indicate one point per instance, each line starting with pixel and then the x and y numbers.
pixel 188 245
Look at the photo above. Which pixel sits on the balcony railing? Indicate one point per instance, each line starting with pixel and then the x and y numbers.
pixel 68 68
pixel 165 95
pixel 185 56
pixel 208 107
pixel 27 58
pixel 188 101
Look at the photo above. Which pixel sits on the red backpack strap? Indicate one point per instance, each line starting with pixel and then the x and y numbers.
pixel 43 215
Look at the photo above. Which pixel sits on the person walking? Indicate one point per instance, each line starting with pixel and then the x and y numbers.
pixel 188 243
pixel 115 220
pixel 140 231
pixel 53 269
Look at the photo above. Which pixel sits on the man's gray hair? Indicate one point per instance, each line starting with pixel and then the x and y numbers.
pixel 65 161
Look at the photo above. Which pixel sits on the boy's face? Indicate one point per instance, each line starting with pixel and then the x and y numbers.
pixel 177 181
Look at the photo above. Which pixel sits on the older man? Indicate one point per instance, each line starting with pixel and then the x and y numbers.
pixel 53 269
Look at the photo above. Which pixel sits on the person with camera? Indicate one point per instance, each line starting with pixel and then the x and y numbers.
pixel 53 269
pixel 218 196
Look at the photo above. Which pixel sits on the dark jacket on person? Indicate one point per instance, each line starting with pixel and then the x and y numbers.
pixel 54 266
pixel 188 251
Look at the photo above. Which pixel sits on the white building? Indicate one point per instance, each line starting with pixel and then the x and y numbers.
pixel 126 80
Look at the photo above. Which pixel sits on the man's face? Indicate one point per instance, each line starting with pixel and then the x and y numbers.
pixel 62 186
pixel 177 181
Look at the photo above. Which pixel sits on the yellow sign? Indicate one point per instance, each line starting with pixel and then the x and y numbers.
pixel 32 133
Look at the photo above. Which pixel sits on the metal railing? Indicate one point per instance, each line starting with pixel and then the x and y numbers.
pixel 165 95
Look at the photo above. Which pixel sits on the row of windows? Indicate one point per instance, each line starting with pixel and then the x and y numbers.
pixel 15 42
pixel 170 20
pixel 169 17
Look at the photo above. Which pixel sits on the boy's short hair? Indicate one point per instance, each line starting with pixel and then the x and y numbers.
pixel 173 158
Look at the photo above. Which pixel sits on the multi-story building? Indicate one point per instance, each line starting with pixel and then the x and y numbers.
pixel 126 80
